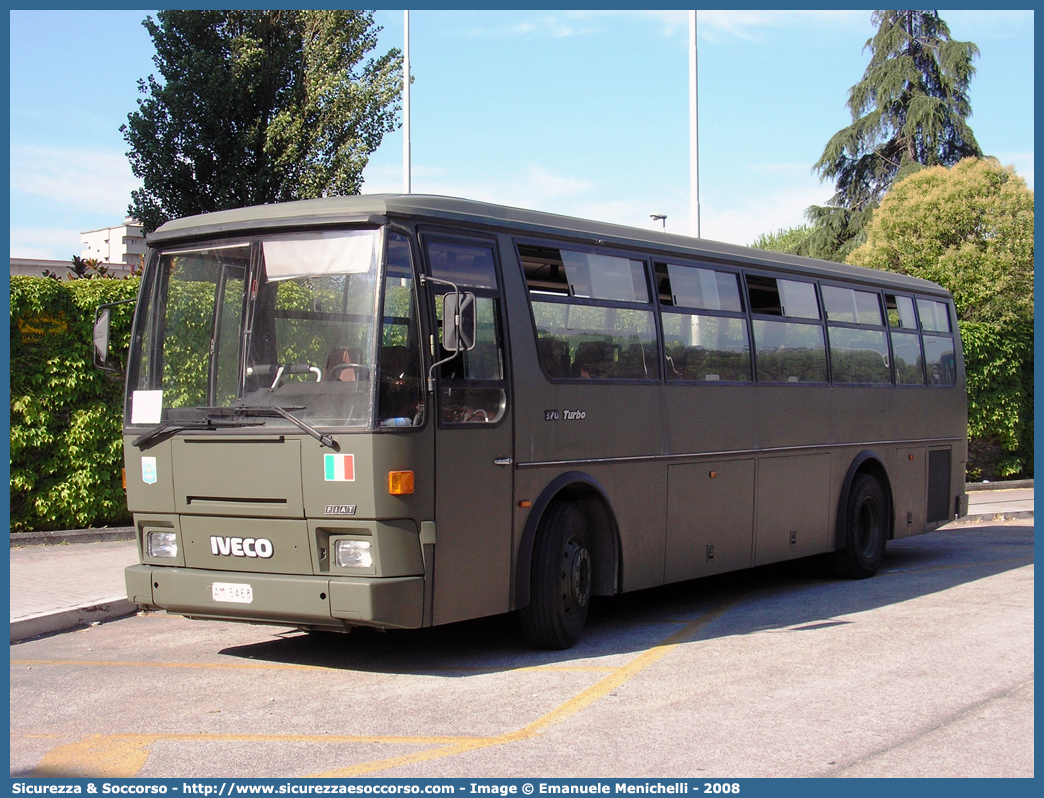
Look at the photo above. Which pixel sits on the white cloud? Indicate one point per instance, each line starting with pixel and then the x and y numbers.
pixel 553 25
pixel 775 198
pixel 746 24
pixel 89 180
pixel 712 24
pixel 49 243
pixel 742 222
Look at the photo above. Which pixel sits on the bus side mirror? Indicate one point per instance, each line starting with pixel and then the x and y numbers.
pixel 459 324
pixel 101 337
pixel 102 326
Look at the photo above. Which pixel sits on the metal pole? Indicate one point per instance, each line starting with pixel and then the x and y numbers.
pixel 694 138
pixel 406 182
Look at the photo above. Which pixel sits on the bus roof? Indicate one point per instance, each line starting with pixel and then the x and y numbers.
pixel 377 208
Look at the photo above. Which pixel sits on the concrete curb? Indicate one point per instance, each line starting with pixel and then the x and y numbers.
pixel 1010 485
pixel 64 620
pixel 72 536
pixel 986 518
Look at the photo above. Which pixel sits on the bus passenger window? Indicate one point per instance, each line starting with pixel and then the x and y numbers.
pixel 706 348
pixel 770 296
pixel 907 359
pixel 934 315
pixel 786 351
pixel 789 352
pixel 592 315
pixel 906 354
pixel 900 312
pixel 852 307
pixel 705 289
pixel 858 356
pixel 940 359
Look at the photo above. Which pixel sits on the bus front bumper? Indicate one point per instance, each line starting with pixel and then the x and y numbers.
pixel 284 600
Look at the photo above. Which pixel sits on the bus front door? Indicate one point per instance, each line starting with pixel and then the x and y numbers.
pixel 474 447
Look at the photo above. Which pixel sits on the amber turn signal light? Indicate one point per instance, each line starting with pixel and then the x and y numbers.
pixel 400 483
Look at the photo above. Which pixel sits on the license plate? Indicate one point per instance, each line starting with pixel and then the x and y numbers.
pixel 231 592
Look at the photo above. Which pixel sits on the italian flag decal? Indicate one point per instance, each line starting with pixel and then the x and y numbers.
pixel 340 467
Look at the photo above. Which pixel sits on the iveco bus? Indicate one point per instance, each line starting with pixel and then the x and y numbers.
pixel 400 411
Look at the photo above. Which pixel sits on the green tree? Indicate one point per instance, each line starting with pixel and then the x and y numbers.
pixel 791 241
pixel 909 111
pixel 253 107
pixel 970 229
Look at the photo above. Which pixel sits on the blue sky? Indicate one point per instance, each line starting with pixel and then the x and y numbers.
pixel 583 113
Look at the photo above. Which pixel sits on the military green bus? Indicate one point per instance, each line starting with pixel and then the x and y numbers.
pixel 401 411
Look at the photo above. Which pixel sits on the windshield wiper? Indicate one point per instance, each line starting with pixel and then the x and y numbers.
pixel 284 412
pixel 172 427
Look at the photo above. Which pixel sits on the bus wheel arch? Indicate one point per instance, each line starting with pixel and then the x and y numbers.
pixel 603 536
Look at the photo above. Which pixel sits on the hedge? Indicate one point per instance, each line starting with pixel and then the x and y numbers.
pixel 999 363
pixel 66 415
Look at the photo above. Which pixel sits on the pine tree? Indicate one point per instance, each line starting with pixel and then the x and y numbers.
pixel 255 107
pixel 910 110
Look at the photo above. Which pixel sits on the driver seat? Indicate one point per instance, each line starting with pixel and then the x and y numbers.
pixel 339 356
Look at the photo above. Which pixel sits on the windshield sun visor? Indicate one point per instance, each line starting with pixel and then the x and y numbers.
pixel 318 254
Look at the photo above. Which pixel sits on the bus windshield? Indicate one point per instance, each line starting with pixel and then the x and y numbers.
pixel 285 321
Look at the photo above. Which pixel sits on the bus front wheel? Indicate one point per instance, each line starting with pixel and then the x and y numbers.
pixel 560 587
pixel 866 530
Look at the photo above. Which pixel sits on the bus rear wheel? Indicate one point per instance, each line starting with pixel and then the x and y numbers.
pixel 866 530
pixel 560 586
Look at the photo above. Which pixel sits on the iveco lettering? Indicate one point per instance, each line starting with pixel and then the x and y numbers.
pixel 401 411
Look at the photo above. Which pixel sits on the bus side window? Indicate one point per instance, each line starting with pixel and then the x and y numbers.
pixel 472 384
pixel 592 314
pixel 940 359
pixel 400 401
pixel 907 359
pixel 858 342
pixel 792 350
pixel 709 342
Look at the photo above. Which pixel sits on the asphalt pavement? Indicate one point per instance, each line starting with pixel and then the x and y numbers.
pixel 60 586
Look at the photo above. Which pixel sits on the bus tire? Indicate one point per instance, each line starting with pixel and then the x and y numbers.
pixel 560 580
pixel 866 530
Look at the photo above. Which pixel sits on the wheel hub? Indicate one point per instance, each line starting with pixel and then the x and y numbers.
pixel 576 576
pixel 867 521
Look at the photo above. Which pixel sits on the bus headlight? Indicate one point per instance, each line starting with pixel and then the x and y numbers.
pixel 163 544
pixel 353 554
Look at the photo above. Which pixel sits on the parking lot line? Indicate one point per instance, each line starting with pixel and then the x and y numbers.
pixel 124 755
pixel 577 703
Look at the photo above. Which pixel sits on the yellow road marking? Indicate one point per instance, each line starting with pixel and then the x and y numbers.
pixel 571 707
pixel 123 756
pixel 96 757
pixel 390 739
